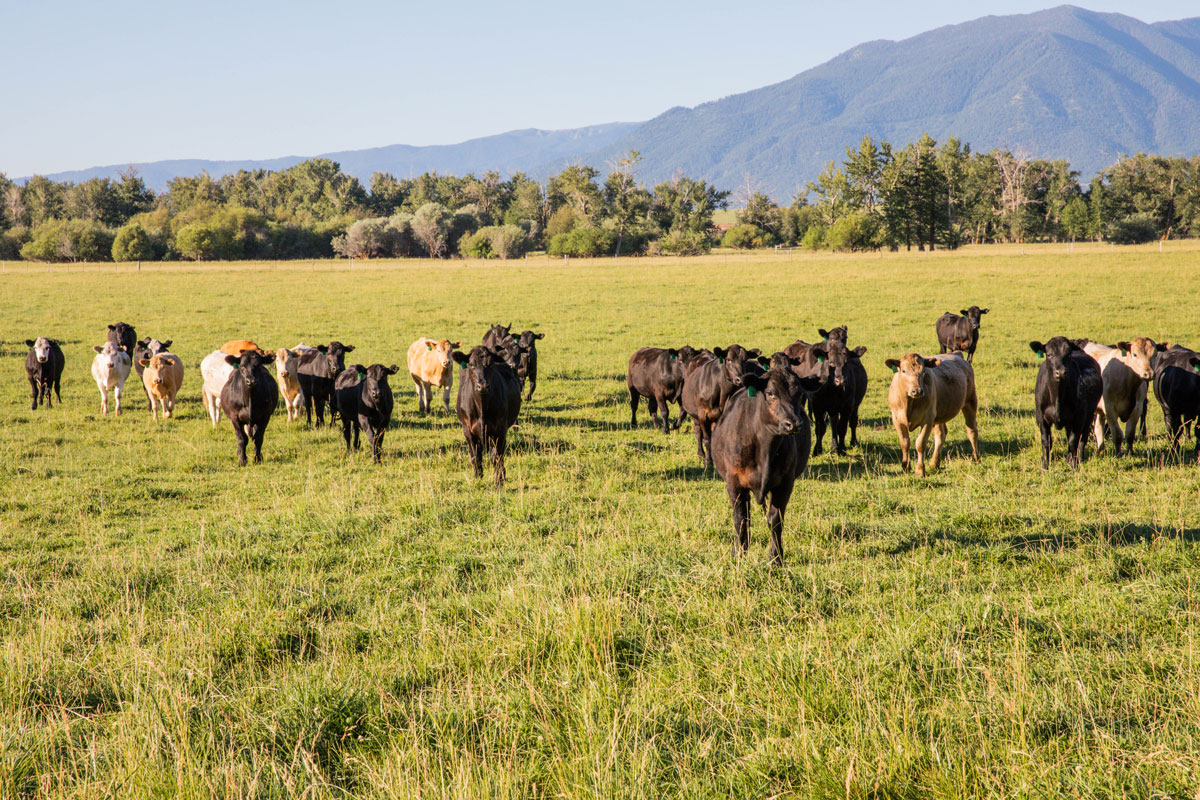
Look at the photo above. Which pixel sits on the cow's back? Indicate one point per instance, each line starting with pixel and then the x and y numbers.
pixel 955 385
pixel 215 372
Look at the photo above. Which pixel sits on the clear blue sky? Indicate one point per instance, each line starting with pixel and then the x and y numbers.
pixel 102 82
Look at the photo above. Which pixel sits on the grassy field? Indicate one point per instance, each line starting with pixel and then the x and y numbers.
pixel 316 626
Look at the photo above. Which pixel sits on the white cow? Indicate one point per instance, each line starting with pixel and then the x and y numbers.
pixel 110 368
pixel 215 372
pixel 1127 370
pixel 287 365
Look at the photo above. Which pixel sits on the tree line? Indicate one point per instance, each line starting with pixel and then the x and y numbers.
pixel 923 195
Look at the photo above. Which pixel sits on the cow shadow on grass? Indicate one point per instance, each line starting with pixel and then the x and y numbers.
pixel 1066 536
pixel 546 421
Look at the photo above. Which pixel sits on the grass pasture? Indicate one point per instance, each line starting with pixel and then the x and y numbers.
pixel 319 627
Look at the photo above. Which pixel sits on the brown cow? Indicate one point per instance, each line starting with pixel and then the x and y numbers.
pixel 1126 370
pixel 235 347
pixel 162 377
pixel 287 365
pixel 928 393
pixel 430 365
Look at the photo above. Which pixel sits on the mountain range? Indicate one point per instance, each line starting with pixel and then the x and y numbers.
pixel 1061 83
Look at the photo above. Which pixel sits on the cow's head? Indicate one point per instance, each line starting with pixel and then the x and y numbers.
pixel 41 348
pixel 528 339
pixel 287 362
pixel 110 355
pixel 473 366
pixel 499 333
pixel 334 355
pixel 1057 353
pixel 1140 354
pixel 737 361
pixel 837 334
pixel 443 348
pixel 974 315
pixel 247 364
pixel 153 346
pixel 374 379
pixel 787 365
pixel 911 375
pixel 774 391
pixel 683 354
pixel 840 358
pixel 515 356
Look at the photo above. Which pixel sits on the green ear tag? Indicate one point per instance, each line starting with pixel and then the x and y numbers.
pixel 751 391
pixel 894 369
pixel 820 359
pixel 672 358
pixel 362 376
pixel 463 366
pixel 1041 353
pixel 824 338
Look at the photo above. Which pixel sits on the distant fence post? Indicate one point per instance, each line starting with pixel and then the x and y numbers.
pixel 139 269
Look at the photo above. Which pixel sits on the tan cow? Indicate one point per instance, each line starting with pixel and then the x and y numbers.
pixel 927 393
pixel 162 377
pixel 235 347
pixel 287 362
pixel 1126 370
pixel 430 365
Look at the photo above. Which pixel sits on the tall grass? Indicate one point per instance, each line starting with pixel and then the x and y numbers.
pixel 318 626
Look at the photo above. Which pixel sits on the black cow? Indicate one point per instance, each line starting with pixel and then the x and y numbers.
pixel 529 362
pixel 757 451
pixel 249 398
pixel 837 334
pixel 960 333
pixel 498 335
pixel 123 336
pixel 709 379
pixel 489 399
pixel 657 374
pixel 1177 388
pixel 840 334
pixel 144 349
pixel 1069 387
pixel 44 368
pixel 318 370
pixel 842 386
pixel 364 401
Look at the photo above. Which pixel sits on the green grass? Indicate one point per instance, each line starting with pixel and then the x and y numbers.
pixel 316 626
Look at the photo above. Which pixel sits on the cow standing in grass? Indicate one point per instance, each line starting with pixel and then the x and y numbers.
pixel 431 367
pixel 1177 389
pixel 757 450
pixel 960 332
pixel 110 369
pixel 1068 390
pixel 1125 371
pixel 528 368
pixel 927 393
pixel 143 349
pixel 364 401
pixel 43 369
pixel 489 400
pixel 287 365
pixel 162 378
pixel 318 370
pixel 709 380
pixel 656 373
pixel 249 398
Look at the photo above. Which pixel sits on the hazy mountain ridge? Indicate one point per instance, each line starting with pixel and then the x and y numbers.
pixel 1062 83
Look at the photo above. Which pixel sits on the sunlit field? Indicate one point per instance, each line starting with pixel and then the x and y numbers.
pixel 317 626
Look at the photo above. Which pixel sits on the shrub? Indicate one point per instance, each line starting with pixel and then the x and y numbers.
pixel 745 237
pixel 12 240
pixel 366 238
pixel 495 241
pixel 477 245
pixel 857 230
pixel 583 242
pixel 132 243
pixel 1134 229
pixel 68 240
pixel 684 243
pixel 814 238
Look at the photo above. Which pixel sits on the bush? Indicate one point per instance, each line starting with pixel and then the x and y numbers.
pixel 684 243
pixel 230 234
pixel 366 238
pixel 12 240
pixel 494 241
pixel 814 238
pixel 1134 229
pixel 561 221
pixel 583 242
pixel 857 230
pixel 132 243
pixel 477 245
pixel 745 237
pixel 68 240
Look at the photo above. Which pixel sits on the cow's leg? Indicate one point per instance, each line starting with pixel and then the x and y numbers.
pixel 377 443
pixel 1047 442
pixel 258 431
pixel 633 404
pixel 740 500
pixel 698 429
pixel 446 400
pixel 939 439
pixel 532 386
pixel 854 427
pixel 652 405
pixel 902 432
pixel 319 401
pixel 475 450
pixel 682 416
pixel 103 398
pixel 119 395
pixel 708 459
pixel 420 392
pixel 357 432
pixel 839 423
pixel 1075 440
pixel 499 445
pixel 57 388
pixel 1098 425
pixel 664 406
pixel 170 406
pixel 970 414
pixel 34 392
pixel 779 500
pixel 819 431
pixel 346 434
pixel 1145 405
pixel 922 438
pixel 46 395
pixel 1131 429
pixel 239 431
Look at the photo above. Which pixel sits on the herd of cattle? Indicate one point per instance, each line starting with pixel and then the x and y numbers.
pixel 750 412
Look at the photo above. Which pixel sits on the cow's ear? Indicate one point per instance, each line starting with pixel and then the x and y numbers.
pixel 392 370
pixel 757 382
pixel 112 327
pixel 672 353
pixel 143 342
pixel 456 344
pixel 322 348
pixel 1038 348
pixel 824 334
pixel 929 362
pixel 539 336
pixel 359 368
pixel 984 310
pixel 460 358
pixel 145 362
pixel 755 353
pixel 1124 347
pixel 766 362
pixel 893 364
pixel 267 357
pixel 962 312
pixel 858 352
pixel 429 345
pixel 232 361
pixel 820 354
pixel 349 348
pixel 29 342
pixel 97 348
pixel 168 342
pixel 795 362
pixel 1161 346
pixel 1195 363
